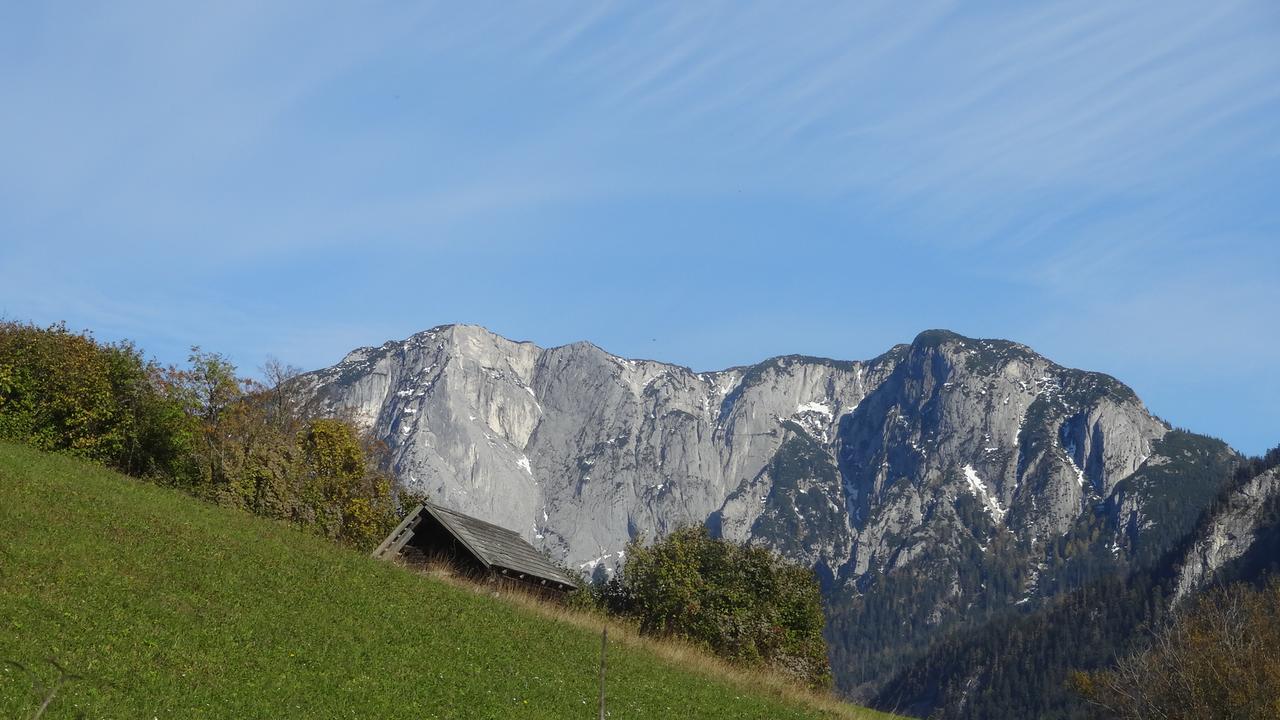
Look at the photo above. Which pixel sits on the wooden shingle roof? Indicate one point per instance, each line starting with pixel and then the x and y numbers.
pixel 500 550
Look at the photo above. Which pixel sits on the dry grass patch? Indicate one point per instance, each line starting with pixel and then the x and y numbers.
pixel 676 651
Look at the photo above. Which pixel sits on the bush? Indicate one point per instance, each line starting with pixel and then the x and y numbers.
pixel 262 453
pixel 230 440
pixel 65 392
pixel 743 603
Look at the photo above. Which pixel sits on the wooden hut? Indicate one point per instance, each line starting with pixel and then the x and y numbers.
pixel 473 547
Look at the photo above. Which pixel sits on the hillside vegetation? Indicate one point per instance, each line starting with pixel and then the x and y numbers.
pixel 745 604
pixel 203 428
pixel 163 606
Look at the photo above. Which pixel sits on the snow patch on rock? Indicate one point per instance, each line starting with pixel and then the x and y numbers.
pixel 816 407
pixel 978 488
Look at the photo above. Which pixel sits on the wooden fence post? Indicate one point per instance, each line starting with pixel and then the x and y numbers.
pixel 604 645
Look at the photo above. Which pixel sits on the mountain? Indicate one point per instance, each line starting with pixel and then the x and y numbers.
pixel 581 450
pixel 971 476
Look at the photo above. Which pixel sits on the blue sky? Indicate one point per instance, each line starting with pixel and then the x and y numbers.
pixel 704 183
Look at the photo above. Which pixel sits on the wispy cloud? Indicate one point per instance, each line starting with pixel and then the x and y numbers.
pixel 933 108
pixel 1103 160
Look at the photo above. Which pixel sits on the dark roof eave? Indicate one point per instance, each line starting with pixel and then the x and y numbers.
pixel 457 535
pixel 528 576
pixel 445 517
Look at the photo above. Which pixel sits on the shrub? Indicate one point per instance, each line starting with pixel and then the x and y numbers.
pixel 743 603
pixel 66 392
pixel 202 428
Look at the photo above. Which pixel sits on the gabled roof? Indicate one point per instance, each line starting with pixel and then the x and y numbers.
pixel 497 548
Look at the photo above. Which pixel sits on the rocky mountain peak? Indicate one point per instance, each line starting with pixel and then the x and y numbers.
pixel 943 459
pixel 583 450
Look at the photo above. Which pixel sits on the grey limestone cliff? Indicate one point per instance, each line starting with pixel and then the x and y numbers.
pixel 1229 532
pixel 848 466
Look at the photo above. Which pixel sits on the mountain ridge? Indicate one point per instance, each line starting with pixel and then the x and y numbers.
pixel 740 377
pixel 958 462
pixel 924 337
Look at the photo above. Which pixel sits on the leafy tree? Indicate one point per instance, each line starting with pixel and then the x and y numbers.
pixel 260 454
pixel 743 603
pixel 211 384
pixel 348 501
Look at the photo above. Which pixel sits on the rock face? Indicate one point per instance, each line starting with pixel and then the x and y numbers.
pixel 1229 533
pixel 848 466
pixel 1031 443
pixel 943 479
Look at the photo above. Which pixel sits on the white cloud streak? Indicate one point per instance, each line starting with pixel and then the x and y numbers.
pixel 931 108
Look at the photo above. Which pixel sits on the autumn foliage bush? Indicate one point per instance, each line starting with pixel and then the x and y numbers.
pixel 234 441
pixel 62 391
pixel 1219 658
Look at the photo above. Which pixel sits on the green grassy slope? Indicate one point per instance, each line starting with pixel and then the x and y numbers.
pixel 171 608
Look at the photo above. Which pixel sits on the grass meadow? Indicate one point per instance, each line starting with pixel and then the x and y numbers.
pixel 130 600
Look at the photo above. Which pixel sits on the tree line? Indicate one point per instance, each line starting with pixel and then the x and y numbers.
pixel 201 427
pixel 1217 658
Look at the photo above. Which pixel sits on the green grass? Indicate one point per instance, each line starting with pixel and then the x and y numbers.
pixel 171 608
